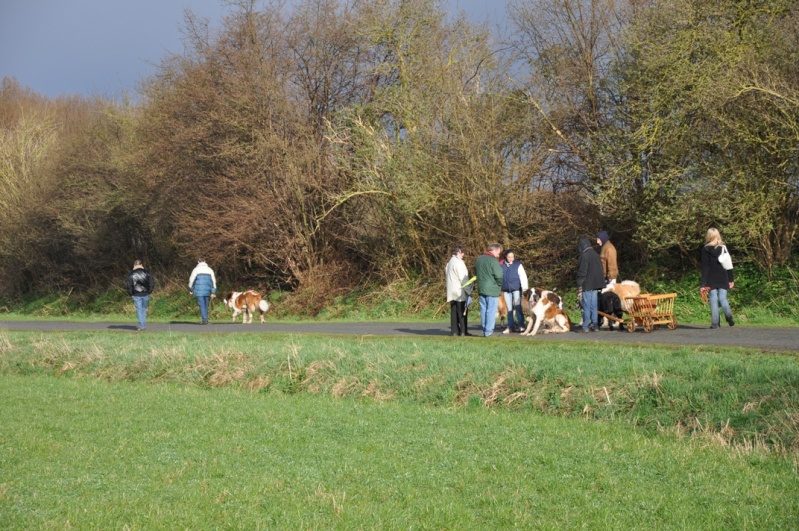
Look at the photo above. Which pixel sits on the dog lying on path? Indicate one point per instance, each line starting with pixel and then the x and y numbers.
pixel 246 303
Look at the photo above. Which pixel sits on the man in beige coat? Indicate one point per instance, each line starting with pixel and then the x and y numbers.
pixel 608 257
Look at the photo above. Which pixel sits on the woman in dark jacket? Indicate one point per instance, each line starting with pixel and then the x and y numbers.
pixel 716 280
pixel 590 279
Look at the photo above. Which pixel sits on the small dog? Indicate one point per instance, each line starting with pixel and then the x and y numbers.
pixel 246 303
pixel 544 307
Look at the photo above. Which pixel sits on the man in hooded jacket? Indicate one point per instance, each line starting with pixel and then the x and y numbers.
pixel 590 279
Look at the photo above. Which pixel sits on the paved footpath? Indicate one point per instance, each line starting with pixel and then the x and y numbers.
pixel 756 338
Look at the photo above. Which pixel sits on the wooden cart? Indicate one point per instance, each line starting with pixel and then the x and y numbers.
pixel 649 311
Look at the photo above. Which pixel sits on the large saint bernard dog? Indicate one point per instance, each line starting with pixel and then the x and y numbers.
pixel 246 303
pixel 544 307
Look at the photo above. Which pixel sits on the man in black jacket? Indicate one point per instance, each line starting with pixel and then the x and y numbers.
pixel 590 279
pixel 140 284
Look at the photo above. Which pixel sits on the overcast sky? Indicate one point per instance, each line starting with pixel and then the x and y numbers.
pixel 103 47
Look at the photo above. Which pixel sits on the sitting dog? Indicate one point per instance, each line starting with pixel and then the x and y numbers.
pixel 544 307
pixel 246 303
pixel 610 303
pixel 625 289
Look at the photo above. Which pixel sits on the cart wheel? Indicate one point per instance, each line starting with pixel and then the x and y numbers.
pixel 673 324
pixel 648 326
pixel 631 325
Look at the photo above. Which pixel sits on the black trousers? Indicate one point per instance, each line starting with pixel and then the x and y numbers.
pixel 457 317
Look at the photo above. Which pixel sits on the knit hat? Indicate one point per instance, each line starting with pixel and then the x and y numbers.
pixel 603 236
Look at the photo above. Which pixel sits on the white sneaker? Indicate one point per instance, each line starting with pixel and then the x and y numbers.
pixel 506 331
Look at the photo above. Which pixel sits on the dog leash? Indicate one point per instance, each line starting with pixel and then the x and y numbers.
pixel 703 292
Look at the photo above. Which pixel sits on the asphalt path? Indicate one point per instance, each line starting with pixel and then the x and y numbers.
pixel 766 339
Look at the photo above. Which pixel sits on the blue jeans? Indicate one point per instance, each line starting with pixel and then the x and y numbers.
pixel 513 301
pixel 203 302
pixel 488 313
pixel 141 303
pixel 590 309
pixel 719 296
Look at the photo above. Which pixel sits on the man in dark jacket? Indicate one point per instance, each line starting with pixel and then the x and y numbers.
pixel 590 279
pixel 140 285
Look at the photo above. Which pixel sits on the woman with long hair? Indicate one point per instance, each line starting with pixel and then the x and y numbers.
pixel 716 280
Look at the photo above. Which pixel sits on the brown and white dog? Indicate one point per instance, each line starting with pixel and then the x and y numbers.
pixel 624 289
pixel 502 310
pixel 544 307
pixel 246 302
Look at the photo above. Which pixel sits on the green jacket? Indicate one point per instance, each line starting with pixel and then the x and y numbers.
pixel 489 275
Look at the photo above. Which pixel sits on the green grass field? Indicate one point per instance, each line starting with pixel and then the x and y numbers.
pixel 113 430
pixel 88 454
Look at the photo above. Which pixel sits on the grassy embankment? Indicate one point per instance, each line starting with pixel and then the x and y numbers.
pixel 737 396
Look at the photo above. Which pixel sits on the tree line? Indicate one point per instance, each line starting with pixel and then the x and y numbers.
pixel 342 140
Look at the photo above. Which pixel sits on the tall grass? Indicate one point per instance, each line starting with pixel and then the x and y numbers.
pixel 737 398
pixel 81 453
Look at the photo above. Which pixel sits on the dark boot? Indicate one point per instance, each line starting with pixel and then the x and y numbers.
pixel 730 321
